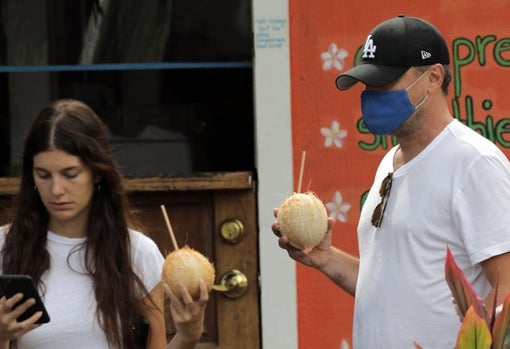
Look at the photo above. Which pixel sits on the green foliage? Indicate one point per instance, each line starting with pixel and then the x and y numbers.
pixel 479 329
pixel 474 332
pixel 500 331
pixel 462 291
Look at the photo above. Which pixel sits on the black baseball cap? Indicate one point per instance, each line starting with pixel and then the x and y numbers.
pixel 394 46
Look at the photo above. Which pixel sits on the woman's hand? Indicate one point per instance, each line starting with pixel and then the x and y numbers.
pixel 188 315
pixel 10 328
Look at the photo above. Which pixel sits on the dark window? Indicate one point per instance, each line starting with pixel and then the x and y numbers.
pixel 172 80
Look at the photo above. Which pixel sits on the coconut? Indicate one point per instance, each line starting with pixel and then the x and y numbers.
pixel 188 266
pixel 303 219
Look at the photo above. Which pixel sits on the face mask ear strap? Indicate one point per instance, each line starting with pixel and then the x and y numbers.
pixel 417 80
pixel 422 101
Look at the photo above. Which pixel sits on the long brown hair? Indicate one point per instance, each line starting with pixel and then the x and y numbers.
pixel 73 127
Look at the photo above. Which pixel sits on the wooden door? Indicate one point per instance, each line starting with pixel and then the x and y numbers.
pixel 198 208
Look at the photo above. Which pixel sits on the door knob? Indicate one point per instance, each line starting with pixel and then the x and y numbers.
pixel 233 284
pixel 232 230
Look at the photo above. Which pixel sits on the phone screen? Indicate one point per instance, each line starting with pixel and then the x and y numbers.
pixel 13 284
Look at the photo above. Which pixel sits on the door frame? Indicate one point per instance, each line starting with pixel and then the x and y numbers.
pixel 274 162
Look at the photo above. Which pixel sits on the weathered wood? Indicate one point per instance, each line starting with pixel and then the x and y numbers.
pixel 203 181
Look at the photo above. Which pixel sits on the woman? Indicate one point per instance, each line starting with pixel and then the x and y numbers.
pixel 71 231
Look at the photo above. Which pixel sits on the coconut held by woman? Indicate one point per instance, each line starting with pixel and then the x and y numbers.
pixel 187 266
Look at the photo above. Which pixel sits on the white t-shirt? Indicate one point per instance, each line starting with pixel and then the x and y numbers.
pixel 454 193
pixel 69 296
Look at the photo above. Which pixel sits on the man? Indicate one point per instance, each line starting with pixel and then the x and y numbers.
pixel 443 185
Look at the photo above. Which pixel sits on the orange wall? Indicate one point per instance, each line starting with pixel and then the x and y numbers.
pixel 345 170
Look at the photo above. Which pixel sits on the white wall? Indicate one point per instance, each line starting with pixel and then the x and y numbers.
pixel 274 168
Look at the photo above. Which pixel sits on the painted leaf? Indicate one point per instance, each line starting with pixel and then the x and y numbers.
pixel 474 332
pixel 500 331
pixel 462 291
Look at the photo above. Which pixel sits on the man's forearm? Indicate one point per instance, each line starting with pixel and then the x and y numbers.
pixel 342 268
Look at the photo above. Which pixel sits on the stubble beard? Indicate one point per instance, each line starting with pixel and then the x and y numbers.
pixel 411 126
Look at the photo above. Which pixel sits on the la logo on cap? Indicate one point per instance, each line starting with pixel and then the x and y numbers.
pixel 369 49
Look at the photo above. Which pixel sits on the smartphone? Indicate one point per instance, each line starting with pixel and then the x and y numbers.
pixel 13 284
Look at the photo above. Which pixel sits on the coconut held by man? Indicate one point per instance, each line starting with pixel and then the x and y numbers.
pixel 303 219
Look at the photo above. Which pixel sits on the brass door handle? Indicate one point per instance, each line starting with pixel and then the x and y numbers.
pixel 233 284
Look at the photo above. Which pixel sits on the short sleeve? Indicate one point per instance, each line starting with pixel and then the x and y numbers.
pixel 147 259
pixel 481 207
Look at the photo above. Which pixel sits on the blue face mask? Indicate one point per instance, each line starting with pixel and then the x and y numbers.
pixel 384 111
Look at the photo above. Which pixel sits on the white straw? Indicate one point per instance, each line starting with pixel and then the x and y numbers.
pixel 169 227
